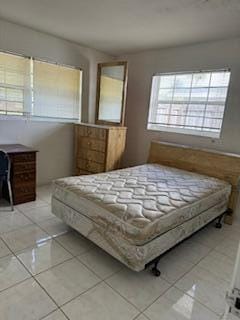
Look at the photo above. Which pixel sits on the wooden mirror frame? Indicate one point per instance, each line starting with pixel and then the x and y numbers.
pixel 124 92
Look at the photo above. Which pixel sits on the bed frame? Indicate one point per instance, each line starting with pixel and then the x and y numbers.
pixel 224 166
pixel 220 165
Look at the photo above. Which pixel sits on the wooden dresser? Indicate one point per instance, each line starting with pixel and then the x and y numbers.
pixel 23 172
pixel 98 148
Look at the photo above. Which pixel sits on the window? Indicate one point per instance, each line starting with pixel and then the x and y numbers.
pixel 191 103
pixel 15 96
pixel 56 91
pixel 38 89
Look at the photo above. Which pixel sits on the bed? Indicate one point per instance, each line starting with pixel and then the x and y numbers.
pixel 137 214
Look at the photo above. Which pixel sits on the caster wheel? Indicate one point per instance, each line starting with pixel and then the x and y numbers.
pixel 218 225
pixel 156 272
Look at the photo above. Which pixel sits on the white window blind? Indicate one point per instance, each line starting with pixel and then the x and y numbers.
pixel 189 102
pixel 15 93
pixel 56 91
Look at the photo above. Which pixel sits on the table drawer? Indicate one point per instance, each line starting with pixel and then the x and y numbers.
pixel 91 144
pixel 91 155
pixel 23 167
pixel 24 189
pixel 90 166
pixel 21 178
pixel 24 157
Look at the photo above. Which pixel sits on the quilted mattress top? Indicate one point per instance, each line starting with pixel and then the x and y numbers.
pixel 141 202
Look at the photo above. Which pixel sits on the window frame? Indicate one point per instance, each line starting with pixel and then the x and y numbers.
pixel 186 131
pixel 29 116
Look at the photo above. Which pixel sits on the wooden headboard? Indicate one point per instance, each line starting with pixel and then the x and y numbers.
pixel 224 166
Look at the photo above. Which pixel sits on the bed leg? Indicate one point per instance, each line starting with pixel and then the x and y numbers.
pixel 220 218
pixel 156 272
pixel 218 224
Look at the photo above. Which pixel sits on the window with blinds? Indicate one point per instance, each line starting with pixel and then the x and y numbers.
pixel 191 103
pixel 15 93
pixel 56 91
pixel 38 89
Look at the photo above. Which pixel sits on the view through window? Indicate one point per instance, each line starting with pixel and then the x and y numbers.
pixel 189 102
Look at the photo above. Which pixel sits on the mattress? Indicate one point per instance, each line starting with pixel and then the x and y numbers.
pixel 140 203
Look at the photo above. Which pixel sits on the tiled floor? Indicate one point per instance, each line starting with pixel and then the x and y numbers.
pixel 48 271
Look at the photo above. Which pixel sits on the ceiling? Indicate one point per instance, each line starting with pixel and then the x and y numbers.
pixel 124 26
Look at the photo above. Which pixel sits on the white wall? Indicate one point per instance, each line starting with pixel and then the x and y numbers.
pixel 53 140
pixel 142 66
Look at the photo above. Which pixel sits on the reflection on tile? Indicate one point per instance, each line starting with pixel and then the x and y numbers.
pixel 4 251
pixel 25 301
pixel 225 266
pixel 140 288
pixel 75 243
pixel 39 214
pixel 108 305
pixel 25 237
pixel 54 227
pixel 205 287
pixel 45 193
pixel 11 272
pixel 173 267
pixel 12 221
pixel 56 315
pixel 67 280
pixel 43 256
pixel 174 304
pixel 100 262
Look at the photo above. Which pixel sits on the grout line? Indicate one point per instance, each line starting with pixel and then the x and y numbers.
pixel 102 281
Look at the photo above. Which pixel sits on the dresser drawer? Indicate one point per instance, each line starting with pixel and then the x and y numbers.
pixel 96 133
pixel 24 167
pixel 91 144
pixel 91 155
pixel 81 172
pixel 90 166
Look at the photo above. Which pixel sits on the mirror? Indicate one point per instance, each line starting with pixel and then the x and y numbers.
pixel 111 93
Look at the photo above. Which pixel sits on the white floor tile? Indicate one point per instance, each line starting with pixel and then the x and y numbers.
pixel 75 243
pixel 229 248
pixel 205 287
pixel 56 315
pixel 11 272
pixel 100 303
pixel 25 301
pixel 141 317
pixel 100 262
pixel 4 251
pixel 175 305
pixel 31 205
pixel 218 264
pixel 13 221
pixel 54 227
pixel 190 250
pixel 25 237
pixel 173 267
pixel 39 214
pixel 67 280
pixel 140 288
pixel 43 256
pixel 209 236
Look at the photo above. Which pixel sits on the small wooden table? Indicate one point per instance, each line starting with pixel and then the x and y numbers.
pixel 23 172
